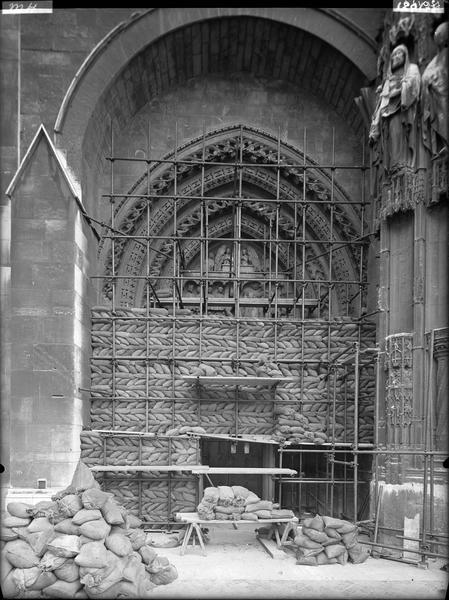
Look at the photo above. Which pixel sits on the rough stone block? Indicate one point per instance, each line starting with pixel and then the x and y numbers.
pixel 53 276
pixel 25 329
pixel 22 384
pixel 51 356
pixel 53 383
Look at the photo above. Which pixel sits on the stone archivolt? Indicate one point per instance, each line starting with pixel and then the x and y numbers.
pixel 222 147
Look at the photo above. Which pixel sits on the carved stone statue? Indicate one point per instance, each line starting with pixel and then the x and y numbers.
pixel 190 290
pixel 394 120
pixel 211 262
pixel 226 260
pixel 434 95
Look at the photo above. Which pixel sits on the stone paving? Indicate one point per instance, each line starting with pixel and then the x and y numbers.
pixel 236 566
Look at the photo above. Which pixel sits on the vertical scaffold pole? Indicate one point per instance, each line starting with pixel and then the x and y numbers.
pixel 114 281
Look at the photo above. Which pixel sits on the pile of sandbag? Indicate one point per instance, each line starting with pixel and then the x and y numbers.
pixel 292 426
pixel 326 541
pixel 81 544
pixel 233 503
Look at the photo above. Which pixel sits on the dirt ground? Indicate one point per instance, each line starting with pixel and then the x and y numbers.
pixel 237 566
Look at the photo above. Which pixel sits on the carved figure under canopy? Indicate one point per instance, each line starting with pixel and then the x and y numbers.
pixel 434 96
pixel 394 120
pixel 225 260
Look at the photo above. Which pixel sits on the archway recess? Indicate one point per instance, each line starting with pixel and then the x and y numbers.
pixel 294 219
pixel 353 60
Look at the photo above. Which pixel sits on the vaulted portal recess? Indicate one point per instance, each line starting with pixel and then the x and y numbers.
pixel 233 325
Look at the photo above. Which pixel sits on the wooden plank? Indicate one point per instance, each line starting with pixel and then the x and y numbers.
pixel 272 549
pixel 247 471
pixel 221 380
pixel 256 439
pixel 148 468
pixel 192 517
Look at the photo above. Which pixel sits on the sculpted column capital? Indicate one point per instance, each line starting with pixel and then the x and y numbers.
pixel 441 343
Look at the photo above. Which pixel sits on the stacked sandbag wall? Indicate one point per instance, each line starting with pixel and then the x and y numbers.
pixel 174 402
pixel 154 495
pixel 137 382
pixel 325 540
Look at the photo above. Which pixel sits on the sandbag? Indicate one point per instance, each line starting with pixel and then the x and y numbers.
pixel 7 534
pixel 44 508
pixel 358 554
pixel 133 567
pixel 342 558
pixel 211 495
pixel 323 559
pixel 84 516
pixel 123 589
pixel 81 595
pixel 163 540
pixel 137 538
pixel 96 530
pixel 5 565
pixel 240 491
pixel 148 554
pixel 317 523
pixel 44 579
pixel 112 513
pixel 145 586
pixel 334 550
pixel 68 527
pixel 227 510
pixel 133 522
pixel 18 509
pixel 159 564
pixel 69 571
pixel 70 505
pixel 306 552
pixel 246 516
pixel 92 554
pixel 105 578
pixel 305 542
pixel 251 498
pixel 20 554
pixel 223 517
pixel 225 495
pixel 350 539
pixel 84 539
pixel 316 536
pixel 334 523
pixel 24 578
pixel 119 544
pixel 332 533
pixel 50 562
pixel 10 521
pixel 94 498
pixel 309 561
pixel 40 524
pixel 347 527
pixel 9 587
pixel 165 576
pixel 284 513
pixel 67 546
pixel 260 505
pixel 263 514
pixel 82 478
pixel 39 541
pixel 62 589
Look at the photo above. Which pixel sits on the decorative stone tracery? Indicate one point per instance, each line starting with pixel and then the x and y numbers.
pixel 223 149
